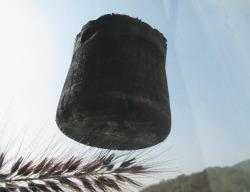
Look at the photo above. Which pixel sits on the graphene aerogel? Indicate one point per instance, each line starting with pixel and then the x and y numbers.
pixel 115 95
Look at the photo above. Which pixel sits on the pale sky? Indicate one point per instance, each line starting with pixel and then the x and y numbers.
pixel 208 71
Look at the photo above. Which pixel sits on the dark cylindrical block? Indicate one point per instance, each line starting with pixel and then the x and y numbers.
pixel 115 95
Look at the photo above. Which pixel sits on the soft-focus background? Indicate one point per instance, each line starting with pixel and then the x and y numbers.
pixel 208 71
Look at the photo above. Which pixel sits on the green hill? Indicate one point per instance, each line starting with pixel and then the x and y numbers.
pixel 216 179
pixel 244 165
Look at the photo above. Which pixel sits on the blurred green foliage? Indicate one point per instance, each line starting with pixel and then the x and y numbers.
pixel 216 179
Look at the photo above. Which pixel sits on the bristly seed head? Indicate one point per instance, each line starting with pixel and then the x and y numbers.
pixel 106 172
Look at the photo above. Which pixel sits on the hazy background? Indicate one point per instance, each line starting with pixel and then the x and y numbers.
pixel 208 72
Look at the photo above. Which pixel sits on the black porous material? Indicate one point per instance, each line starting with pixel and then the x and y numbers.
pixel 115 95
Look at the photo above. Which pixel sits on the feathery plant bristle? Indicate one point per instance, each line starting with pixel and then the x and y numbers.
pixel 59 164
pixel 107 171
